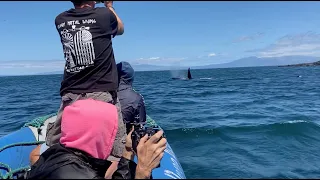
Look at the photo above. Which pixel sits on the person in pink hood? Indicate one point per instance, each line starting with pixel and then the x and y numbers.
pixel 88 131
pixel 90 126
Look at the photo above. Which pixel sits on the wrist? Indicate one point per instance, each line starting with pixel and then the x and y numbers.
pixel 142 173
pixel 128 155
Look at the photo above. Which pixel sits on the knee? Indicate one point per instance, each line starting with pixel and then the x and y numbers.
pixel 34 155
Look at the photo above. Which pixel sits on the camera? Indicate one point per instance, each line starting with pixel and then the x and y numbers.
pixel 141 130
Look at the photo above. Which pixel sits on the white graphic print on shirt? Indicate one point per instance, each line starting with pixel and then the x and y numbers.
pixel 77 45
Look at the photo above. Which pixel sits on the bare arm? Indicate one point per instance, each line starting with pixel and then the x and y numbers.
pixel 109 4
pixel 142 173
pixel 149 153
pixel 34 155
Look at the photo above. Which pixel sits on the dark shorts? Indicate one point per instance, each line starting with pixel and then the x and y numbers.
pixel 54 129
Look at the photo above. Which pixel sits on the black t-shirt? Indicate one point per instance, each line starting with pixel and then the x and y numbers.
pixel 86 36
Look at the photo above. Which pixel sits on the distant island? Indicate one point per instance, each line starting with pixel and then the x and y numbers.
pixel 317 63
pixel 253 61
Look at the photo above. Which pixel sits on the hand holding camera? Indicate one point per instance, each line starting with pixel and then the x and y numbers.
pixel 140 131
pixel 150 152
pixel 148 143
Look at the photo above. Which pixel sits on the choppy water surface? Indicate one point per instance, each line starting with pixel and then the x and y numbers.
pixel 224 123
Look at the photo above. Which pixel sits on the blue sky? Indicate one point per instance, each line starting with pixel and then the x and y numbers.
pixel 166 33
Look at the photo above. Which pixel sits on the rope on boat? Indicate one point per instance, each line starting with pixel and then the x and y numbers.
pixel 37 123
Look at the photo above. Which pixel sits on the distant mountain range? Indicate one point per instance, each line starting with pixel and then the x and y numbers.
pixel 53 72
pixel 243 62
pixel 303 64
pixel 270 61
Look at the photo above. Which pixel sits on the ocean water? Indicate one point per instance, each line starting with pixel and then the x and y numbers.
pixel 225 123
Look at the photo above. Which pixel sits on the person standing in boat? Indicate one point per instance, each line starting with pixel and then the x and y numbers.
pixel 90 71
pixel 132 103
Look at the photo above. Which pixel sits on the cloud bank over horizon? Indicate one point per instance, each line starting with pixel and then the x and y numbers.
pixel 302 44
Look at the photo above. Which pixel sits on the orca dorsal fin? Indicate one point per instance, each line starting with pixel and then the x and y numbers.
pixel 189 74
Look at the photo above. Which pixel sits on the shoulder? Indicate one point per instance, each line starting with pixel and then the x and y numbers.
pixel 139 98
pixel 60 18
pixel 71 166
pixel 135 95
pixel 138 95
pixel 104 15
pixel 103 10
pixel 74 170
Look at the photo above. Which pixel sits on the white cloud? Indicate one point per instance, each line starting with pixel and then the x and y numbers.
pixel 159 60
pixel 211 54
pixel 29 67
pixel 31 64
pixel 289 45
pixel 154 58
pixel 248 37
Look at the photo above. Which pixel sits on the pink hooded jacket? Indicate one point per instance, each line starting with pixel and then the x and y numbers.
pixel 91 126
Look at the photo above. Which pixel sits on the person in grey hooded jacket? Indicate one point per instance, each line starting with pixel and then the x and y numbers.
pixel 132 103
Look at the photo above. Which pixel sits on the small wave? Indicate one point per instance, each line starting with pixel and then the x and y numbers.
pixel 295 121
pixel 205 78
pixel 288 128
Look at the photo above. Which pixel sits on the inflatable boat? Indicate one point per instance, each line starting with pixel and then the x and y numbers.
pixel 16 147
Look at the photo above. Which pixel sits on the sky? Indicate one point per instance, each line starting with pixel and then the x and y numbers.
pixel 166 33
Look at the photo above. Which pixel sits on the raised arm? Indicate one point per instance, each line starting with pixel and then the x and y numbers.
pixel 109 4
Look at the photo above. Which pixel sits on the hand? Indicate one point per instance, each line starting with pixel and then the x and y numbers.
pixel 150 153
pixel 108 4
pixel 128 144
pixel 128 152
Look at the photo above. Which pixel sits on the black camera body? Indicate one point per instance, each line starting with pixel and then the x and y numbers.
pixel 141 130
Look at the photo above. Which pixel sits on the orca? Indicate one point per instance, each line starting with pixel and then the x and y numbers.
pixel 189 76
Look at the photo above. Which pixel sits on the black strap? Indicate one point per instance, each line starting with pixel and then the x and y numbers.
pixel 114 97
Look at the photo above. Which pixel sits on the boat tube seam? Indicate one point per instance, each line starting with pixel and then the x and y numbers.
pixel 37 123
pixel 10 173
